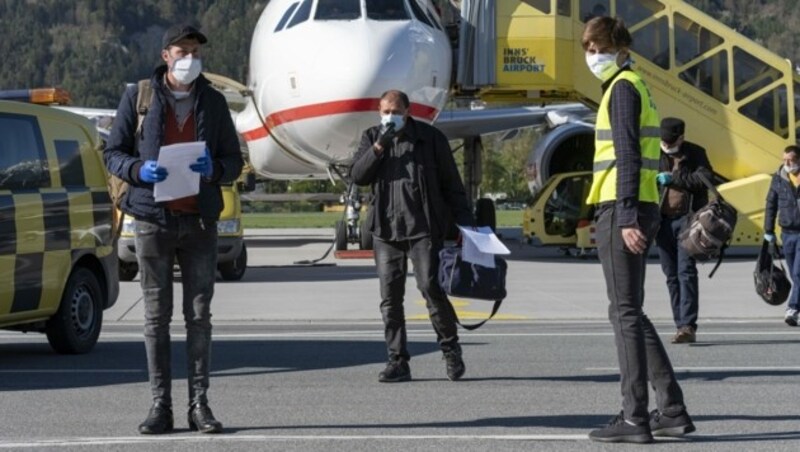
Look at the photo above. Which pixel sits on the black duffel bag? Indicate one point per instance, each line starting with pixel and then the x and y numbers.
pixel 458 278
pixel 771 282
pixel 709 231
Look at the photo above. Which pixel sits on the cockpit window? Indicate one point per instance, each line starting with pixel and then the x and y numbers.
pixel 419 13
pixel 302 14
pixel 338 10
pixel 286 16
pixel 387 10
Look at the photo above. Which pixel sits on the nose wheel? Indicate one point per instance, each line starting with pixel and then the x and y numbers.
pixel 351 230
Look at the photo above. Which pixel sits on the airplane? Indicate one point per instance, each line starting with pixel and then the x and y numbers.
pixel 317 71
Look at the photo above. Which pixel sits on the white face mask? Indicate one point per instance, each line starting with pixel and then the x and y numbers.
pixel 397 120
pixel 186 69
pixel 602 65
pixel 669 150
pixel 794 169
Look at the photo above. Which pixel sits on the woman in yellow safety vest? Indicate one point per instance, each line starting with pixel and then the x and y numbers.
pixel 625 196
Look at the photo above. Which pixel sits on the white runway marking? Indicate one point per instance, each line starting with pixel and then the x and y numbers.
pixel 126 440
pixel 72 371
pixel 709 368
pixel 425 332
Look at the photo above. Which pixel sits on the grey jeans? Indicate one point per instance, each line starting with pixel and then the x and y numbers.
pixel 193 243
pixel 639 349
pixel 391 261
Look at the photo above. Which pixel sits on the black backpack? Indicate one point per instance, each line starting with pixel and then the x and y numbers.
pixel 709 230
pixel 771 282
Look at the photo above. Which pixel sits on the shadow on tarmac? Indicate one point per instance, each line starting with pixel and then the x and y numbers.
pixel 281 242
pixel 569 421
pixel 306 273
pixel 113 363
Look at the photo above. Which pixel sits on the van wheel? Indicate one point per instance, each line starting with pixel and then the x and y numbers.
pixel 128 270
pixel 234 270
pixel 485 214
pixel 340 239
pixel 75 327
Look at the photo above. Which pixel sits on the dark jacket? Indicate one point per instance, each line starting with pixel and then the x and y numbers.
pixel 782 199
pixel 685 174
pixel 443 194
pixel 213 125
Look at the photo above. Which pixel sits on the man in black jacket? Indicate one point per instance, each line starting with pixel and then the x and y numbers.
pixel 783 202
pixel 416 188
pixel 682 192
pixel 184 108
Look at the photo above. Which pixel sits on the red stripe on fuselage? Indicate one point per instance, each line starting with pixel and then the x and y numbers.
pixel 331 108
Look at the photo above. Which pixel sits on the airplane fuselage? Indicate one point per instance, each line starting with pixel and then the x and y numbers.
pixel 316 83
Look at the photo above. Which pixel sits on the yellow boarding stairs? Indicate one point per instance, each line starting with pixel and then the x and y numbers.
pixel 737 97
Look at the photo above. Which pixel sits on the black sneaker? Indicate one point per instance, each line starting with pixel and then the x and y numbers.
pixel 455 364
pixel 395 371
pixel 620 431
pixel 663 425
pixel 159 420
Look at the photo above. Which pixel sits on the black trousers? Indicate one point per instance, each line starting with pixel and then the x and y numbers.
pixel 391 260
pixel 641 354
pixel 681 272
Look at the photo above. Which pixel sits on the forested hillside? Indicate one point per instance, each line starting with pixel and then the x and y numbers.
pixel 92 47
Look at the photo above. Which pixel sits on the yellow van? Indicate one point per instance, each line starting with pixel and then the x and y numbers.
pixel 231 249
pixel 58 269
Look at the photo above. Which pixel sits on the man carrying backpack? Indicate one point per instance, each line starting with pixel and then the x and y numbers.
pixel 183 107
pixel 782 200
pixel 682 192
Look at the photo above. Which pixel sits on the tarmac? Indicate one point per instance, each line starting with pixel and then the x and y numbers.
pixel 297 349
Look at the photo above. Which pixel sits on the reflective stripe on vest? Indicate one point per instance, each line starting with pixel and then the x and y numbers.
pixel 604 181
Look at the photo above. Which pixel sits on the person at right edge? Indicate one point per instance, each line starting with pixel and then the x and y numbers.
pixel 682 192
pixel 782 201
pixel 415 187
pixel 625 197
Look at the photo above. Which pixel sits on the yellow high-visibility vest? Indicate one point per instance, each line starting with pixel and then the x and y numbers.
pixel 604 180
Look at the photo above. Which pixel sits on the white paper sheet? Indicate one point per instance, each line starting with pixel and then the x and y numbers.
pixel 479 247
pixel 181 181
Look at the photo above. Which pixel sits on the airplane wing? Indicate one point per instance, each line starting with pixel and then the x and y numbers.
pixel 469 123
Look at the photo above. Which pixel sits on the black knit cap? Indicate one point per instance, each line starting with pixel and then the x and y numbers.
pixel 182 31
pixel 671 129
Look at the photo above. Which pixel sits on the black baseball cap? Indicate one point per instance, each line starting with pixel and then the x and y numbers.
pixel 672 129
pixel 182 31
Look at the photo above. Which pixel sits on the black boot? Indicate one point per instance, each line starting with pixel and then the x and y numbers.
pixel 201 418
pixel 158 421
pixel 454 363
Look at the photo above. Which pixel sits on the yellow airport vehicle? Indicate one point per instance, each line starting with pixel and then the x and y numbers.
pixel 58 269
pixel 739 100
pixel 231 248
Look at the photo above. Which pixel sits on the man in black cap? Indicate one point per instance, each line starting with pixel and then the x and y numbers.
pixel 682 192
pixel 180 107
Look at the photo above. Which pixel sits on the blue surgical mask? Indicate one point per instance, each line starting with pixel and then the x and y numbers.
pixel 397 120
pixel 794 169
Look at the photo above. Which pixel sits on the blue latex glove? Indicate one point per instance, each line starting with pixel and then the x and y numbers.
pixel 203 165
pixel 769 237
pixel 664 179
pixel 151 173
